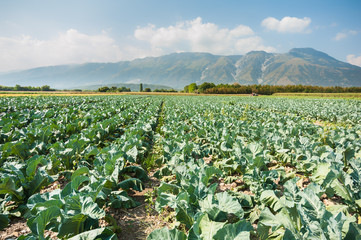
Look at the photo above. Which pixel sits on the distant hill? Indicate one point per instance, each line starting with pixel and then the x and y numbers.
pixel 304 66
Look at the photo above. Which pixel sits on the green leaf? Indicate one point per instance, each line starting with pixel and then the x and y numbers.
pixel 90 208
pixel 335 209
pixel 255 148
pixel 39 223
pixel 43 205
pixel 229 204
pixel 167 187
pixel 21 150
pixel 165 199
pixel 44 198
pixel 358 203
pixel 291 190
pixel 71 225
pixel 78 180
pixel 269 198
pixel 341 190
pixel 96 234
pixel 290 219
pixel 8 187
pixel 113 164
pixel 219 205
pixel 209 228
pixel 139 172
pixel 194 232
pixel 266 222
pixel 183 211
pixel 40 179
pixel 4 221
pixel 320 173
pixel 333 226
pixel 268 219
pixel 132 154
pixel 290 236
pixel 120 199
pixel 166 234
pixel 210 172
pixel 324 174
pixel 32 165
pixel 310 208
pixel 133 183
pixel 237 231
pixel 28 237
pixel 354 232
pixel 79 171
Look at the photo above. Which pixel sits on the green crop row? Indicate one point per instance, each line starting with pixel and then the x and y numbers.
pixel 280 169
pixel 230 167
pixel 98 160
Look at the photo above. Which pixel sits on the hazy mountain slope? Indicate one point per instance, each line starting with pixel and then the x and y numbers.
pixel 310 67
pixel 250 68
pixel 299 66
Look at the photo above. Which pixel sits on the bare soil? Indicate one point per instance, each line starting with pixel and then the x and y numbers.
pixel 17 227
pixel 137 223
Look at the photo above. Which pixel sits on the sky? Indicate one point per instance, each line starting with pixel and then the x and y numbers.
pixel 48 32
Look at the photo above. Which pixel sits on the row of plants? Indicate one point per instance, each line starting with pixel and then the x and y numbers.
pixel 288 178
pixel 99 165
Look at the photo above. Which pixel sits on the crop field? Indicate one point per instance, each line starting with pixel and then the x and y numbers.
pixel 213 167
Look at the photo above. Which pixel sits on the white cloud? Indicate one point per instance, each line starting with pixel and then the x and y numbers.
pixel 339 36
pixel 345 34
pixel 352 32
pixel 352 59
pixel 72 46
pixel 287 24
pixel 196 36
pixel 68 47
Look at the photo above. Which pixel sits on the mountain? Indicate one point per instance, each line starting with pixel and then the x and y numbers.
pixel 304 66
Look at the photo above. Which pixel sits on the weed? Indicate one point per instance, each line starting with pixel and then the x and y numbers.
pixel 150 201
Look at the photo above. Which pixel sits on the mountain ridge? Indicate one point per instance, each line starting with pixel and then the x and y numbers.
pixel 305 66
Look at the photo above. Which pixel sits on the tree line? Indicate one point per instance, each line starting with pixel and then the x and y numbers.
pixel 211 88
pixel 28 88
pixel 113 89
pixel 124 89
pixel 155 90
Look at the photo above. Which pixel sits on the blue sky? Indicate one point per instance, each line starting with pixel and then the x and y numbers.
pixel 48 32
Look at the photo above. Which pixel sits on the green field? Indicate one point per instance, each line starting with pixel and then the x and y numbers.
pixel 221 167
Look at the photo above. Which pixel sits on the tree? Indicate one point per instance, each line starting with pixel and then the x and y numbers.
pixel 141 87
pixel 123 89
pixel 186 88
pixel 192 87
pixel 45 88
pixel 204 86
pixel 164 90
pixel 147 90
pixel 18 87
pixel 103 89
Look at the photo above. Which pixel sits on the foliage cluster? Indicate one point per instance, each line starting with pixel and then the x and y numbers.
pixel 113 89
pixel 211 88
pixel 164 90
pixel 29 88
